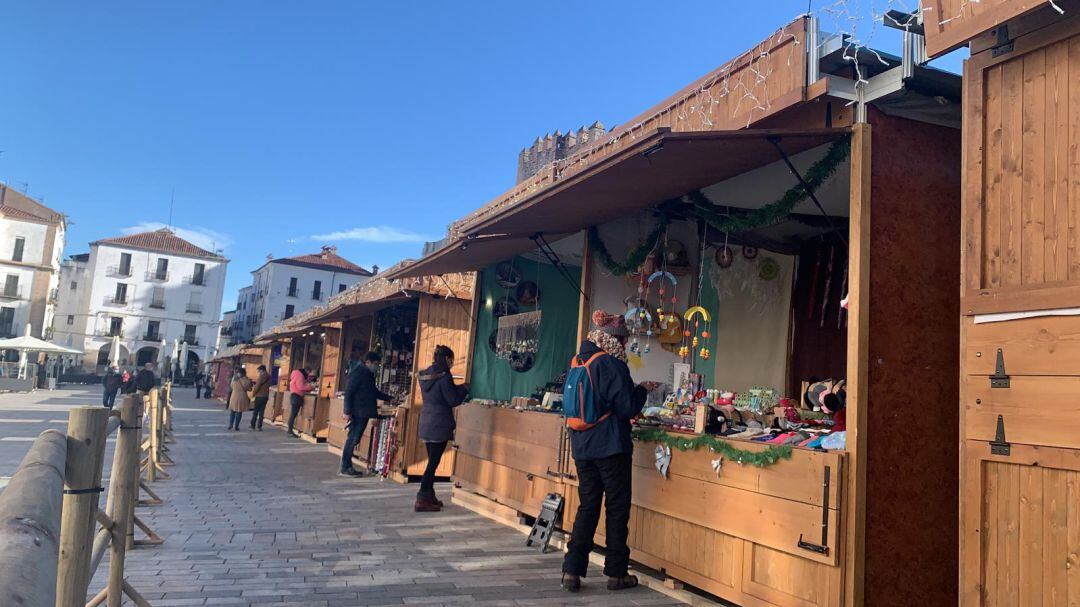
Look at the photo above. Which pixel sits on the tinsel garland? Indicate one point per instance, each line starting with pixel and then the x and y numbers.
pixel 701 208
pixel 769 456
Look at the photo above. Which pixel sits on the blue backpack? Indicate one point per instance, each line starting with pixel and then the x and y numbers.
pixel 579 398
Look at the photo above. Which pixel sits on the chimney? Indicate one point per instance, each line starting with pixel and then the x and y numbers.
pixel 328 250
pixel 375 269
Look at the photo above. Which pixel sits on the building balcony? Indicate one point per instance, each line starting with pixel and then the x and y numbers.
pixel 11 292
pixel 190 340
pixel 156 276
pixel 110 332
pixel 198 281
pixel 112 300
pixel 54 295
pixel 158 304
pixel 293 293
pixel 118 271
pixel 155 336
pixel 194 308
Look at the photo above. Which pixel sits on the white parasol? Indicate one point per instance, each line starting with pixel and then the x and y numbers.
pixel 27 343
pixel 114 351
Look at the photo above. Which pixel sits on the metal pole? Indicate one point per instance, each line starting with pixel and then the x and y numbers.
pixel 82 476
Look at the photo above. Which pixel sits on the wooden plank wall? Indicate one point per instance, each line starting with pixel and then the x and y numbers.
pixel 913 372
pixel 951 23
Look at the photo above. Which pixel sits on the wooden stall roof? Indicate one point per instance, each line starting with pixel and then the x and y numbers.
pixel 949 24
pixel 760 82
pixel 237 350
pixel 379 292
pixel 658 167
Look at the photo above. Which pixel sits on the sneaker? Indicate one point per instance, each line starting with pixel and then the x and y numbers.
pixel 571 583
pixel 426 505
pixel 622 583
pixel 350 472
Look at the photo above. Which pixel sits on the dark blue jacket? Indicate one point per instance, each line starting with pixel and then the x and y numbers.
pixel 441 395
pixel 361 393
pixel 616 393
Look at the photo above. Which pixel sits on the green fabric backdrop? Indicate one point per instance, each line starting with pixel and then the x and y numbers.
pixel 492 378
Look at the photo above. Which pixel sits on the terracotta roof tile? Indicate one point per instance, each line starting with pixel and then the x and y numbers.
pixel 163 240
pixel 327 259
pixel 15 213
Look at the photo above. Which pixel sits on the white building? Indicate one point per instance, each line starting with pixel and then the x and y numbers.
pixel 153 290
pixel 282 288
pixel 31 246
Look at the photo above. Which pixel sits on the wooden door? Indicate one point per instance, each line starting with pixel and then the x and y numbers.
pixel 1020 374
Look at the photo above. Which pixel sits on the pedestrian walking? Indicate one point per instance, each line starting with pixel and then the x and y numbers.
pixel 602 451
pixel 208 385
pixel 110 385
pixel 127 385
pixel 440 396
pixel 239 401
pixel 146 380
pixel 260 394
pixel 199 377
pixel 361 406
pixel 298 387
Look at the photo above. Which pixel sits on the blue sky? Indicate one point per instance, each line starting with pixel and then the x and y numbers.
pixel 280 126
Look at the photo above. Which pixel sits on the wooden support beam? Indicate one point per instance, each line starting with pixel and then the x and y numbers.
pixel 82 486
pixel 125 484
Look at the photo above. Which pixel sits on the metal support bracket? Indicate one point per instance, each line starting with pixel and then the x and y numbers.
pixel 999 446
pixel 1003 45
pixel 999 379
pixel 775 141
pixel 823 547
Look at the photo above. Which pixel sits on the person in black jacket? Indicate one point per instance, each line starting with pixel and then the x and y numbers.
pixel 437 424
pixel 603 456
pixel 110 386
pixel 361 406
pixel 146 381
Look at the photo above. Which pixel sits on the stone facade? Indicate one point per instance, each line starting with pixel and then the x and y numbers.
pixel 556 146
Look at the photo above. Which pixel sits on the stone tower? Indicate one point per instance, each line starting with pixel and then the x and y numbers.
pixel 552 147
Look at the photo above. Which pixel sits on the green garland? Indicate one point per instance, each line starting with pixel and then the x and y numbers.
pixel 695 206
pixel 760 459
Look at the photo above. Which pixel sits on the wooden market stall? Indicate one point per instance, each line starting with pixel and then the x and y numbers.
pixel 866 522
pixel 1020 423
pixel 403 320
pixel 222 365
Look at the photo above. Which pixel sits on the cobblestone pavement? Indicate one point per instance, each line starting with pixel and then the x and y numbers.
pixel 259 519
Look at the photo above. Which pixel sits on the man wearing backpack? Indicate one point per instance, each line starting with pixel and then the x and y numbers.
pixel 599 401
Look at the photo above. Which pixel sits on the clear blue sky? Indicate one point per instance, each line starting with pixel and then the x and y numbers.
pixel 279 123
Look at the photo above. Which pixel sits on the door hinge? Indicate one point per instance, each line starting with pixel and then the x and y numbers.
pixel 999 446
pixel 1003 44
pixel 823 547
pixel 999 379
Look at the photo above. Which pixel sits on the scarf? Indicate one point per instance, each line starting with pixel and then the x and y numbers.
pixel 608 343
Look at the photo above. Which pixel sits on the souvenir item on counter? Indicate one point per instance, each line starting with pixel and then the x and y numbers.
pixel 725 257
pixel 836 440
pixel 552 401
pixel 507 275
pixel 749 252
pixel 663 459
pixel 505 306
pixel 768 269
pixel 528 294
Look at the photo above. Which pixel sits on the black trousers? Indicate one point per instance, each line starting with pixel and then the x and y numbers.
pixel 356 431
pixel 434 457
pixel 258 406
pixel 296 402
pixel 108 398
pixel 602 480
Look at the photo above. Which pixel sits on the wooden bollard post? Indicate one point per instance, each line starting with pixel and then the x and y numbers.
pixel 82 486
pixel 152 457
pixel 124 488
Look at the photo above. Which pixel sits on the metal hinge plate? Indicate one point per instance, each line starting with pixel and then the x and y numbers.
pixel 1003 45
pixel 999 446
pixel 999 379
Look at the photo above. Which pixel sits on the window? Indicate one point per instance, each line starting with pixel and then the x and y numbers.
pixel 194 303
pixel 153 329
pixel 341 287
pixel 293 286
pixel 20 245
pixel 199 277
pixel 74 285
pixel 189 334
pixel 116 326
pixel 11 285
pixel 162 272
pixel 157 300
pixel 289 311
pixel 121 293
pixel 316 291
pixel 125 265
pixel 71 319
pixel 7 320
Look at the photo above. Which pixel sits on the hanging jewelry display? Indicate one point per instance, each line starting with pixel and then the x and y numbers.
pixel 519 334
pixel 638 323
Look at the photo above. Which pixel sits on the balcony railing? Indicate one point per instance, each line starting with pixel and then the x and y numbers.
pixel 110 332
pixel 11 292
pixel 155 336
pixel 293 292
pixel 198 281
pixel 112 300
pixel 194 308
pixel 156 276
pixel 54 295
pixel 191 340
pixel 157 303
pixel 119 271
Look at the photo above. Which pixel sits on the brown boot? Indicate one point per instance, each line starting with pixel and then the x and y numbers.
pixel 622 583
pixel 426 505
pixel 571 583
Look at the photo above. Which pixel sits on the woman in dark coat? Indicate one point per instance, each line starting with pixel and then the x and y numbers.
pixel 437 423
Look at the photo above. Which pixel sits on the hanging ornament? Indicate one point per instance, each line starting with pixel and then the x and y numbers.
pixel 749 252
pixel 663 459
pixel 768 269
pixel 698 314
pixel 717 464
pixel 725 257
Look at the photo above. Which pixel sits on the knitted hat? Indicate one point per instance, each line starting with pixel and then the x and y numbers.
pixel 612 324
